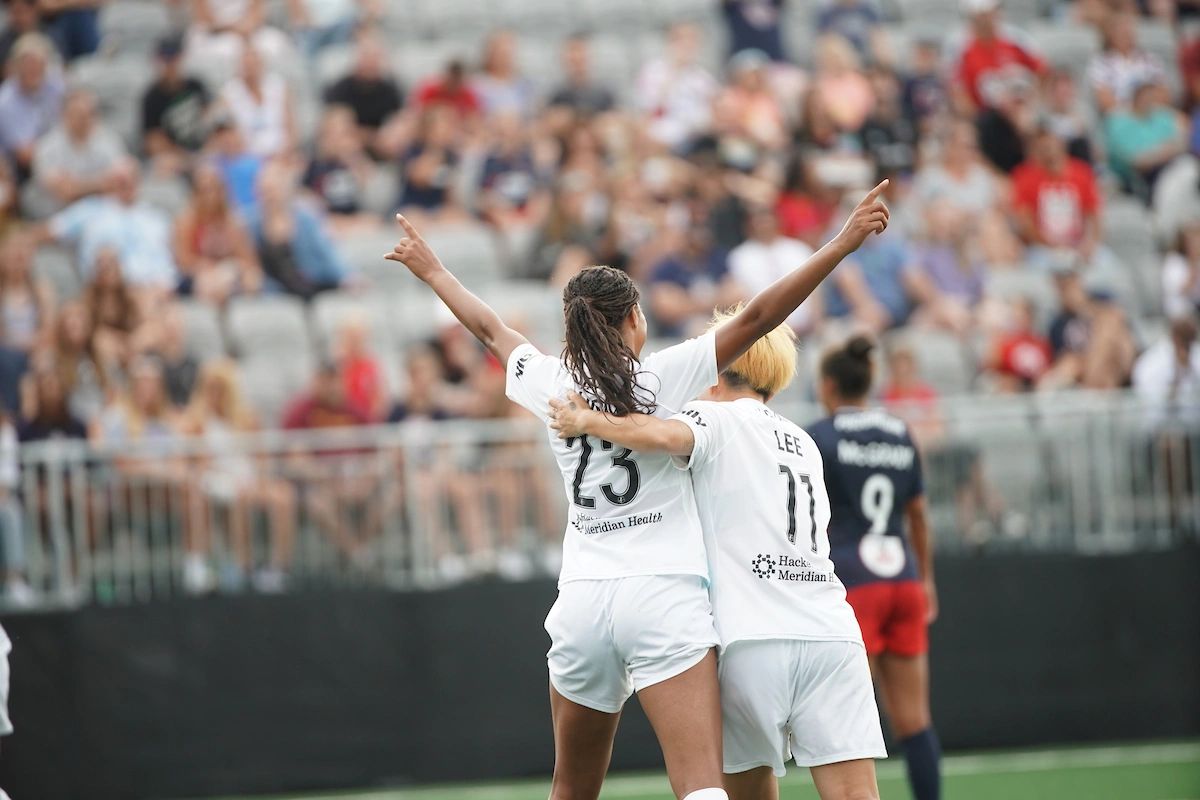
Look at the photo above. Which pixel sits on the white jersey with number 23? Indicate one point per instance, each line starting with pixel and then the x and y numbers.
pixel 630 513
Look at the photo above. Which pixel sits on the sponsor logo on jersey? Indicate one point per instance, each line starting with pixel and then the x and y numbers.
pixel 695 415
pixel 764 566
pixel 787 568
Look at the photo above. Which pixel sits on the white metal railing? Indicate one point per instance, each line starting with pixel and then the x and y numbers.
pixel 421 505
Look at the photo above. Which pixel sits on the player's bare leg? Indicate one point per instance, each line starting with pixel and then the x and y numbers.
pixel 904 691
pixel 685 712
pixel 583 742
pixel 846 780
pixel 903 683
pixel 753 784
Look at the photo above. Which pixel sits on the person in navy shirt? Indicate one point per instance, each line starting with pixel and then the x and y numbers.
pixel 876 492
pixel 689 282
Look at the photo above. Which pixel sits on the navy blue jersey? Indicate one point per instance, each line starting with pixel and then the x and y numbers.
pixel 872 471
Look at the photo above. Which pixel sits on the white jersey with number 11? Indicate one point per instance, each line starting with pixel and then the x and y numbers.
pixel 760 491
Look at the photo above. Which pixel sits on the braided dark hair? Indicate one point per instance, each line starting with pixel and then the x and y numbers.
pixel 595 303
pixel 850 367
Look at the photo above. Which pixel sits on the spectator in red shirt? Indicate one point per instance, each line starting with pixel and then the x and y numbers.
pixel 324 405
pixel 1057 207
pixel 450 88
pixel 1020 355
pixel 991 53
pixel 1189 67
pixel 362 378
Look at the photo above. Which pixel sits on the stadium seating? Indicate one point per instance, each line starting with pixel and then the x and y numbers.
pixel 944 360
pixel 1067 47
pixel 270 382
pixel 469 250
pixel 118 82
pixel 56 265
pixel 331 310
pixel 203 328
pixel 134 27
pixel 268 326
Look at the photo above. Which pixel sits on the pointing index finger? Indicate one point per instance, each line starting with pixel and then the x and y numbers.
pixel 408 227
pixel 873 195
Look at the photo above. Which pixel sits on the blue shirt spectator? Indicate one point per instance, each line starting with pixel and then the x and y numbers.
pixel 688 283
pixel 295 250
pixel 31 98
pixel 139 233
pixel 882 265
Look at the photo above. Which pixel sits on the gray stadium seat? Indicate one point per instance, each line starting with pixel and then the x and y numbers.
pixel 270 383
pixel 1035 285
pixel 1068 47
pixel 203 327
pixel 363 252
pixel 134 27
pixel 944 360
pixel 56 265
pixel 417 61
pixel 330 310
pixel 118 83
pixel 170 195
pixel 1176 198
pixel 270 325
pixel 468 250
pixel 533 307
pixel 943 11
pixel 414 313
pixel 333 64
pixel 552 18
pixel 1159 39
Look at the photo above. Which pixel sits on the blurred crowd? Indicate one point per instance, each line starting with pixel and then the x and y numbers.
pixel 706 178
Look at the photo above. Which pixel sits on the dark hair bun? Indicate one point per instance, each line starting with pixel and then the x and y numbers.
pixel 860 347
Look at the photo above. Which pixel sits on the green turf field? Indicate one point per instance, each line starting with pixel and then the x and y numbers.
pixel 1129 772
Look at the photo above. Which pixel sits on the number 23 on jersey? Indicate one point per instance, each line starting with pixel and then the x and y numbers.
pixel 620 461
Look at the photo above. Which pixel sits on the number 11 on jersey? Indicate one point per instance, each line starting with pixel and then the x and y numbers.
pixel 784 469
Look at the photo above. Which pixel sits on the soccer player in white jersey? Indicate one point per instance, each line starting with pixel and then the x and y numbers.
pixel 793 669
pixel 633 612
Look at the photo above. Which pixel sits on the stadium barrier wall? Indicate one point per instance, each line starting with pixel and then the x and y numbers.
pixel 343 688
pixel 1076 472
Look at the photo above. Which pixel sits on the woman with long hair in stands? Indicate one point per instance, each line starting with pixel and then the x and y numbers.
pixel 633 611
pixel 233 478
pixel 881 547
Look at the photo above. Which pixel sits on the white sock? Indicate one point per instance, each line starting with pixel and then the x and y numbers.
pixel 707 794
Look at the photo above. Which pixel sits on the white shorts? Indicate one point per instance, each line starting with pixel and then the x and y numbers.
pixel 792 697
pixel 609 638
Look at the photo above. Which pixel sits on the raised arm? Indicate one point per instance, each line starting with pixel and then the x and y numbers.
pixel 638 432
pixel 476 315
pixel 773 305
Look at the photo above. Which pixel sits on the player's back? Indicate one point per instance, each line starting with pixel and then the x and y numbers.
pixel 764 512
pixel 630 513
pixel 872 471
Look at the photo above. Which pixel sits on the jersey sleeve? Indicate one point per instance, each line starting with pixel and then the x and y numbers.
pixel 682 372
pixel 701 418
pixel 532 379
